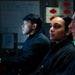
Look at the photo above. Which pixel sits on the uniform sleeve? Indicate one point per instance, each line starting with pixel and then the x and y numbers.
pixel 70 70
pixel 35 53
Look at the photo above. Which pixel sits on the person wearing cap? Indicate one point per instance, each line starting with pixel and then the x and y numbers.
pixel 63 51
pixel 33 51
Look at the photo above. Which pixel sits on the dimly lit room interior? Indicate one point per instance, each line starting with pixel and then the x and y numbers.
pixel 12 13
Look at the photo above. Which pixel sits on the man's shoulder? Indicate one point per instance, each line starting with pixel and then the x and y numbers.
pixel 41 35
pixel 40 38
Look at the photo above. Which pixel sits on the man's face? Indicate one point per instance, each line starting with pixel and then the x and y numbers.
pixel 57 30
pixel 27 27
pixel 72 26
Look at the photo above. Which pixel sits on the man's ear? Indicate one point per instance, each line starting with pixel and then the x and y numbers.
pixel 34 26
pixel 68 32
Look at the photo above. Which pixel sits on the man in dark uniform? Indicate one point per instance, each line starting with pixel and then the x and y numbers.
pixel 34 48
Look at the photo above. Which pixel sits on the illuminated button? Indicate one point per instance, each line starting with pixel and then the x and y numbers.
pixel 66 11
pixel 66 4
pixel 51 18
pixel 53 11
